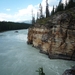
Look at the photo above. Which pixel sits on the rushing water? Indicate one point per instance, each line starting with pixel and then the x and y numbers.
pixel 18 58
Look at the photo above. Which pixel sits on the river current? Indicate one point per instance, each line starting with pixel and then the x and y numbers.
pixel 19 58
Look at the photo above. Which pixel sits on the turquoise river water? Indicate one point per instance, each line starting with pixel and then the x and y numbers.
pixel 18 58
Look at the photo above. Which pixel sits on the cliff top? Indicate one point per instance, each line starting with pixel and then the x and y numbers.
pixel 64 18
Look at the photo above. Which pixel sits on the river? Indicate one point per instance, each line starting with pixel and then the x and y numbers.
pixel 18 58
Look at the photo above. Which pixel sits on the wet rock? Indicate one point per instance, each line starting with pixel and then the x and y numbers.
pixel 70 71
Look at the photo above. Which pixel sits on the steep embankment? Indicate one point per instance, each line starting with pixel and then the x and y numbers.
pixel 56 37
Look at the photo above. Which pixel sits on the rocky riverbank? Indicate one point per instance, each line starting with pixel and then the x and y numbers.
pixel 70 71
pixel 56 37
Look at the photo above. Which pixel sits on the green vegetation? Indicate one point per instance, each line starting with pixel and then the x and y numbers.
pixel 60 7
pixel 40 71
pixel 43 19
pixel 47 9
pixel 33 18
pixel 70 4
pixel 4 26
pixel 52 12
pixel 40 8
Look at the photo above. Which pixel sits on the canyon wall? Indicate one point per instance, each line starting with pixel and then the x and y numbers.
pixel 56 38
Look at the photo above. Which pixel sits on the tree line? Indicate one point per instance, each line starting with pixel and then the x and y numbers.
pixel 59 7
pixel 62 7
pixel 4 26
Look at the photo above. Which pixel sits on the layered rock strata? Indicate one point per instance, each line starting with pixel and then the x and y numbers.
pixel 56 38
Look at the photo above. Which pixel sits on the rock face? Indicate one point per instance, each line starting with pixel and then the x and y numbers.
pixel 70 71
pixel 56 38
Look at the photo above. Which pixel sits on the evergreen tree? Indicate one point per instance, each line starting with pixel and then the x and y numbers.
pixel 56 9
pixel 60 7
pixel 37 15
pixel 40 8
pixel 33 18
pixel 52 12
pixel 71 4
pixel 66 6
pixel 47 9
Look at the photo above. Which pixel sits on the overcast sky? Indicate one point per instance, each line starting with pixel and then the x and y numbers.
pixel 21 10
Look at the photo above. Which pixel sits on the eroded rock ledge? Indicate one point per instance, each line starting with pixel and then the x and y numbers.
pixel 56 38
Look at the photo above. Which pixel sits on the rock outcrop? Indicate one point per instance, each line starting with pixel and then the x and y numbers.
pixel 69 71
pixel 57 37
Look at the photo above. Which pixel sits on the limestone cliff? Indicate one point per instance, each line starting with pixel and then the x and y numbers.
pixel 56 37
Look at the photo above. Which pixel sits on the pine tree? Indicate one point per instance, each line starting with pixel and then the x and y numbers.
pixel 66 6
pixel 56 9
pixel 60 7
pixel 40 8
pixel 37 15
pixel 52 12
pixel 33 18
pixel 71 4
pixel 47 9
